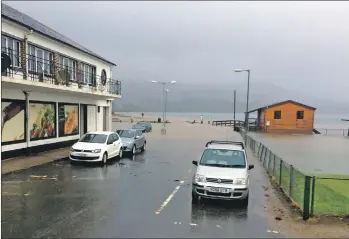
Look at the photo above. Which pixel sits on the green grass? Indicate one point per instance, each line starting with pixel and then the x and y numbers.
pixel 331 195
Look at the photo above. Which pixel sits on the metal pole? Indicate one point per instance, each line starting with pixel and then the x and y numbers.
pixel 165 105
pixel 234 109
pixel 248 94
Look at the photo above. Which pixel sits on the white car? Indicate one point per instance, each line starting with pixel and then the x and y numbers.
pixel 97 147
pixel 222 172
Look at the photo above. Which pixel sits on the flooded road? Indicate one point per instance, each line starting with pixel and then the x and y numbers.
pixel 313 154
pixel 148 195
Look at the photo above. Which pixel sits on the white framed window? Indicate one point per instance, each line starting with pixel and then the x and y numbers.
pixel 88 73
pixel 12 48
pixel 70 65
pixel 40 60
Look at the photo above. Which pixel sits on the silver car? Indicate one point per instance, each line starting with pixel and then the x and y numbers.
pixel 222 172
pixel 132 140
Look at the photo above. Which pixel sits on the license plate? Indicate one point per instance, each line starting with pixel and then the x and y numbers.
pixel 82 155
pixel 219 190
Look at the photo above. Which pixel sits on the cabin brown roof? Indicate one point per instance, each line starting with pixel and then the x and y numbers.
pixel 282 103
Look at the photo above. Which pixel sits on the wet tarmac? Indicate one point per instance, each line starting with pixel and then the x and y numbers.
pixel 127 197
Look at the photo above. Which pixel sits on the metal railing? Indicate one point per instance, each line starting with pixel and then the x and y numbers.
pixel 333 132
pixel 43 70
pixel 314 195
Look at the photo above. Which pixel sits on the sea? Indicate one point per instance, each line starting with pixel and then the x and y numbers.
pixel 322 121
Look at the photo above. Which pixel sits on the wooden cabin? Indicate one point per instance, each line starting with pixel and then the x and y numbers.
pixel 285 117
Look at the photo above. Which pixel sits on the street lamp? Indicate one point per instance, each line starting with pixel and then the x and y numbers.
pixel 248 92
pixel 234 108
pixel 166 91
pixel 163 83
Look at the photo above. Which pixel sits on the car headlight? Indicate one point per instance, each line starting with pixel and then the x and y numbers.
pixel 199 178
pixel 240 181
pixel 72 149
pixel 96 151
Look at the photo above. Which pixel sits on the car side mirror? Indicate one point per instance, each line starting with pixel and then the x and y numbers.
pixel 195 163
pixel 251 166
pixel 137 137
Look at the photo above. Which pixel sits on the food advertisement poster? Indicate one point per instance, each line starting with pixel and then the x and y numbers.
pixel 68 119
pixel 12 121
pixel 42 120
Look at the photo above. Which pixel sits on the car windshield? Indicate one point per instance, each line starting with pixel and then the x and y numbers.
pixel 126 134
pixel 94 138
pixel 223 158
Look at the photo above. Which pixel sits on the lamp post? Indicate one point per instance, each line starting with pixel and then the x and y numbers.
pixel 166 91
pixel 163 83
pixel 234 109
pixel 248 92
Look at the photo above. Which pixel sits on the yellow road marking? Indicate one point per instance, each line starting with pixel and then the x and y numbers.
pixel 167 200
pixel 42 177
pixel 14 194
pixel 38 176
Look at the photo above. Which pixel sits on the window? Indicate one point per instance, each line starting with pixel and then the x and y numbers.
pixel 300 114
pixel 277 114
pixel 223 158
pixel 103 77
pixel 40 60
pixel 116 137
pixel 70 65
pixel 12 48
pixel 88 74
pixel 110 139
pixel 94 138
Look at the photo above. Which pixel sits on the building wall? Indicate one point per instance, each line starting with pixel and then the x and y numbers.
pixel 95 119
pixel 289 122
pixel 18 31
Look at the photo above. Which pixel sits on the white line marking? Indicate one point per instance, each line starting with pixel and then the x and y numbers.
pixel 164 204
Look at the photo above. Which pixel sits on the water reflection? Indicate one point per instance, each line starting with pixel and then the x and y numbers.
pixel 220 211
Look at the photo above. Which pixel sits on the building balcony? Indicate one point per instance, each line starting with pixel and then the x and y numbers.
pixel 51 76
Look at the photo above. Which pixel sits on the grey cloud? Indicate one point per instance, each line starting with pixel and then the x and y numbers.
pixel 301 46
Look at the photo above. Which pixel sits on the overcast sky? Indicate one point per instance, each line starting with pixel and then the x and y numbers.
pixel 303 46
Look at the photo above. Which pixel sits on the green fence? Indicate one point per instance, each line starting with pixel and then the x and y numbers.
pixel 314 195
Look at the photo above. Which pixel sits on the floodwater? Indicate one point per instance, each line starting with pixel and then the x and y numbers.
pixel 312 154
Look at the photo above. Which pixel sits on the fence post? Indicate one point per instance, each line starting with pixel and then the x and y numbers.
pixel 306 201
pixel 312 196
pixel 265 155
pixel 274 164
pixel 269 160
pixel 291 181
pixel 259 148
pixel 280 171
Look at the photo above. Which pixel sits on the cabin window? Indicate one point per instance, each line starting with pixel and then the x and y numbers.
pixel 300 114
pixel 277 114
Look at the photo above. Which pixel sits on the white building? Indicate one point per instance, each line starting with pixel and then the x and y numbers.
pixel 53 89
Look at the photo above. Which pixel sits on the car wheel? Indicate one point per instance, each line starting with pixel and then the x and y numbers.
pixel 245 201
pixel 194 197
pixel 121 154
pixel 105 158
pixel 133 150
pixel 143 147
